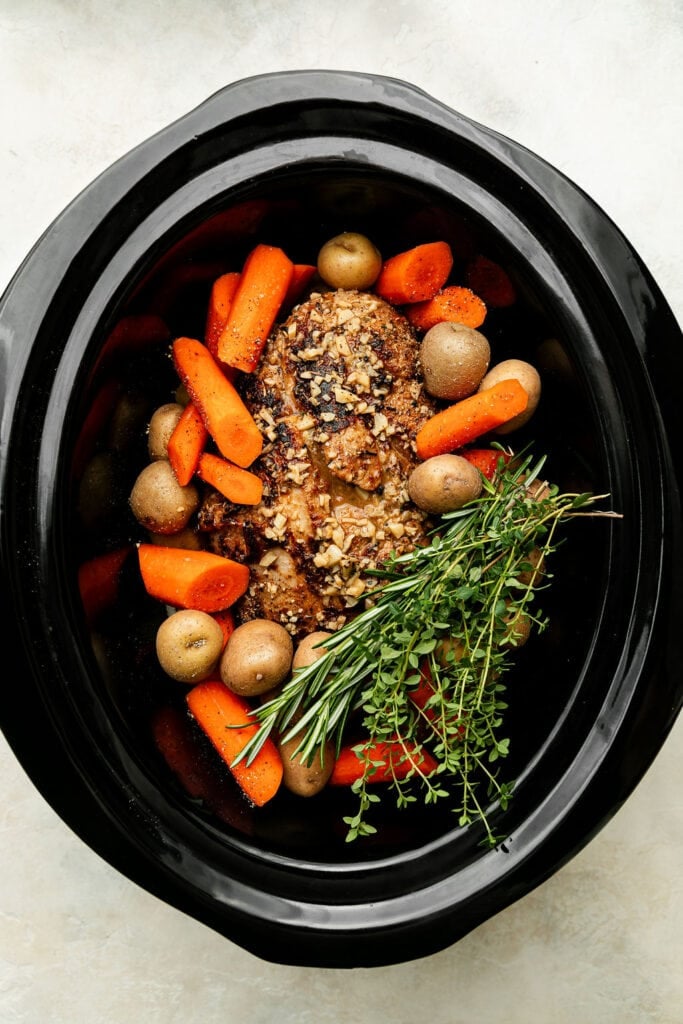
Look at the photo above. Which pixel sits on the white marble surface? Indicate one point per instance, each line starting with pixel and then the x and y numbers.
pixel 597 89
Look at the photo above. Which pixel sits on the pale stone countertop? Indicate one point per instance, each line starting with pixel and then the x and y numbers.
pixel 596 89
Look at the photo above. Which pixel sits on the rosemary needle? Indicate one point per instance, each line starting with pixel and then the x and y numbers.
pixel 450 612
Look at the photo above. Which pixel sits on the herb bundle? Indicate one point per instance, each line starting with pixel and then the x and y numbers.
pixel 423 665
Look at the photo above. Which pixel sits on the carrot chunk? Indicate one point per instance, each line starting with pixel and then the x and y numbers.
pixel 490 282
pixel 415 275
pixel 225 718
pixel 301 275
pixel 455 304
pixel 225 415
pixel 485 459
pixel 186 444
pixel 185 578
pixel 468 419
pixel 391 760
pixel 263 285
pixel 98 581
pixel 222 293
pixel 235 484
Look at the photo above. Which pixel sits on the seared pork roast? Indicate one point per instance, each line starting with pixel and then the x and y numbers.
pixel 339 398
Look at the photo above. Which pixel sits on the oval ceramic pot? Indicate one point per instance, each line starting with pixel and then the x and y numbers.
pixel 293 158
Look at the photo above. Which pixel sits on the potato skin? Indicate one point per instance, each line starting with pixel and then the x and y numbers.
pixel 349 260
pixel 306 652
pixel 159 503
pixel 257 657
pixel 188 645
pixel 303 779
pixel 454 359
pixel 530 379
pixel 161 427
pixel 444 483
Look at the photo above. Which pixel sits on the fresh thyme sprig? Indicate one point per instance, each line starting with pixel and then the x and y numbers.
pixel 452 612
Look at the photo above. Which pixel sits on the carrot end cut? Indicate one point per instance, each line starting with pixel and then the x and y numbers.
pixel 226 720
pixel 415 275
pixel 191 579
pixel 463 422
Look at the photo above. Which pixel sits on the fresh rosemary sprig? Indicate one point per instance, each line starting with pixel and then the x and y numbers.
pixel 451 612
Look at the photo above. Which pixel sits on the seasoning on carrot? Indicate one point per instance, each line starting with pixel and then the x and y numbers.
pixel 237 485
pixel 263 285
pixel 463 422
pixel 225 718
pixel 485 459
pixel 191 579
pixel 222 293
pixel 454 303
pixel 393 760
pixel 225 415
pixel 490 282
pixel 415 275
pixel 98 581
pixel 186 444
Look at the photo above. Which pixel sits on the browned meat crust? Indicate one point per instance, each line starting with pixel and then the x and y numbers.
pixel 339 399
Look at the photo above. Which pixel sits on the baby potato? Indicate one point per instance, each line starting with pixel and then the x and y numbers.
pixel 159 503
pixel 161 426
pixel 301 778
pixel 257 657
pixel 519 628
pixel 349 260
pixel 533 575
pixel 454 359
pixel 188 645
pixel 186 538
pixel 530 379
pixel 444 483
pixel 307 652
pixel 127 421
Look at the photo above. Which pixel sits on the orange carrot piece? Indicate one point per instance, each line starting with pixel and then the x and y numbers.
pixel 301 275
pixel 225 718
pixel 263 284
pixel 390 758
pixel 468 419
pixel 226 621
pixel 186 444
pixel 98 581
pixel 237 485
pixel 455 304
pixel 225 415
pixel 490 282
pixel 415 275
pixel 222 293
pixel 191 579
pixel 97 417
pixel 485 459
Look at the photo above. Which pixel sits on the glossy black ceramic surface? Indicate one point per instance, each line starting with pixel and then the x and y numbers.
pixel 291 159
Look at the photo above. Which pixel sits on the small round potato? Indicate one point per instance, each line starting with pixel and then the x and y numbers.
pixel 97 491
pixel 188 539
pixel 519 628
pixel 307 651
pixel 127 421
pixel 444 483
pixel 301 778
pixel 188 645
pixel 530 379
pixel 534 575
pixel 257 657
pixel 454 359
pixel 448 651
pixel 349 260
pixel 159 503
pixel 161 427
